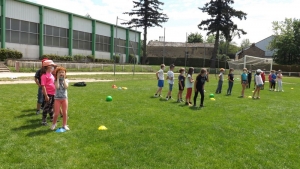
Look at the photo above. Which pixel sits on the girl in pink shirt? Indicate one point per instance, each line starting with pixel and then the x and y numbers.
pixel 48 88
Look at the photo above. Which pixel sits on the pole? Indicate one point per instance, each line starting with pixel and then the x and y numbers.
pixel 271 67
pixel 164 45
pixel 115 45
pixel 134 61
pixel 204 52
pixel 186 39
pixel 245 58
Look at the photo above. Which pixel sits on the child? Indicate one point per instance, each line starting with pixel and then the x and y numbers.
pixel 199 86
pixel 258 83
pixel 37 79
pixel 230 81
pixel 249 78
pixel 170 77
pixel 220 83
pixel 270 80
pixel 244 81
pixel 181 79
pixel 160 78
pixel 273 80
pixel 61 97
pixel 189 86
pixel 48 88
pixel 279 81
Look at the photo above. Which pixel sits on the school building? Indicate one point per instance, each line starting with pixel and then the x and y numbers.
pixel 34 30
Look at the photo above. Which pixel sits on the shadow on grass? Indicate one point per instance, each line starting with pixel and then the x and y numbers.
pixel 153 97
pixel 26 115
pixel 39 132
pixel 32 124
pixel 29 110
pixel 195 108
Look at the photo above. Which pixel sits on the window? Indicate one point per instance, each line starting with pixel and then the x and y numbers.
pixel 133 47
pixel 55 36
pixel 120 46
pixel 82 40
pixel 22 32
pixel 102 43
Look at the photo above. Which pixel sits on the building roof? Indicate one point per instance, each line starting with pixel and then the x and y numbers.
pixel 180 44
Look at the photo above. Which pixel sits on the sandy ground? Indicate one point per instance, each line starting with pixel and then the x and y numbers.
pixel 14 77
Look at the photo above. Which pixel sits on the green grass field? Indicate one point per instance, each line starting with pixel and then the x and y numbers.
pixel 148 132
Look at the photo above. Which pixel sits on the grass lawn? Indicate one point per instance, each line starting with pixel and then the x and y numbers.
pixel 148 132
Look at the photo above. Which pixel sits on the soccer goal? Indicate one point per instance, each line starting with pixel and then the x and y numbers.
pixel 251 63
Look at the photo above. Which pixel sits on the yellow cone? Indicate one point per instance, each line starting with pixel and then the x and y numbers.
pixel 249 97
pixel 252 91
pixel 212 99
pixel 292 88
pixel 102 128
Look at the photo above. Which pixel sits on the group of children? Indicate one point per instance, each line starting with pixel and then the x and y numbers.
pixel 52 93
pixel 183 82
pixel 202 77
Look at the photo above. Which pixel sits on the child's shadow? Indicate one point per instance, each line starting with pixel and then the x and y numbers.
pixel 31 124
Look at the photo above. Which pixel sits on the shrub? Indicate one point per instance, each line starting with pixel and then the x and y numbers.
pixel 79 57
pixel 117 59
pixel 91 58
pixel 132 58
pixel 10 54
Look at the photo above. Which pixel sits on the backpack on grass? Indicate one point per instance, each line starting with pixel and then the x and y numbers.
pixel 80 84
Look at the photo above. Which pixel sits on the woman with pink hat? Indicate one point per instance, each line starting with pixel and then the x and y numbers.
pixel 48 87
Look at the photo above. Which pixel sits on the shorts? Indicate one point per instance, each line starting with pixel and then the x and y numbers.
pixel 259 85
pixel 40 96
pixel 244 82
pixel 170 87
pixel 160 83
pixel 181 89
pixel 189 92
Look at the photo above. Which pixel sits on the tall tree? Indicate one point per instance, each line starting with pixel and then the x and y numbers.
pixel 245 43
pixel 220 22
pixel 195 38
pixel 211 38
pixel 147 15
pixel 286 42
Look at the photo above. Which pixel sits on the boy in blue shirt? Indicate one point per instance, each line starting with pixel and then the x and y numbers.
pixel 244 81
pixel 273 80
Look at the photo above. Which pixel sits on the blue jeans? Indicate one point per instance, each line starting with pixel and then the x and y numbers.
pixel 219 88
pixel 230 85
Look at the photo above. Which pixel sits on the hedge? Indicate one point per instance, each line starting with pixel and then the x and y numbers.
pixel 76 58
pixel 10 54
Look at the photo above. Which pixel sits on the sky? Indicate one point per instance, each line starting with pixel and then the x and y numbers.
pixel 184 15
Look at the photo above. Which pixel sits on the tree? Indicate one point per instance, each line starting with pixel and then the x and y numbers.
pixel 210 38
pixel 245 43
pixel 195 38
pixel 286 42
pixel 148 15
pixel 220 22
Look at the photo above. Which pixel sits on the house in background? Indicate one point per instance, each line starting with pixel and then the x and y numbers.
pixel 259 49
pixel 178 49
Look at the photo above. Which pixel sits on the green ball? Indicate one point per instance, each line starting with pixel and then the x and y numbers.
pixel 108 98
pixel 211 96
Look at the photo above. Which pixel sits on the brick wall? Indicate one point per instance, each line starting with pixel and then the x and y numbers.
pixel 253 51
pixel 179 52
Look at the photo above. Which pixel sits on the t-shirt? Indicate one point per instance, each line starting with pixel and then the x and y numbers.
pixel 201 81
pixel 188 82
pixel 231 76
pixel 263 76
pixel 273 76
pixel 279 77
pixel 38 75
pixel 221 75
pixel 181 80
pixel 258 80
pixel 61 92
pixel 161 74
pixel 244 77
pixel 171 76
pixel 47 80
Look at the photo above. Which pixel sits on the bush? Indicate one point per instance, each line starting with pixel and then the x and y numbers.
pixel 10 54
pixel 91 58
pixel 79 57
pixel 132 58
pixel 117 59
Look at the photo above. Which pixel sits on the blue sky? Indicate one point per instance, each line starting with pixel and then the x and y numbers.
pixel 185 16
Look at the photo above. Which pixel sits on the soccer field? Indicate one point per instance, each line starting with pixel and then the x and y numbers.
pixel 148 132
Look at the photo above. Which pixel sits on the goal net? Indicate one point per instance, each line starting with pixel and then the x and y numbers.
pixel 251 63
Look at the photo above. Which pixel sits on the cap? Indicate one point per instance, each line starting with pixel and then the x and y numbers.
pixel 222 69
pixel 258 71
pixel 44 60
pixel 48 63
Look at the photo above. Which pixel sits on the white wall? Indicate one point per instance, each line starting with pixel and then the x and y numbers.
pixel 22 11
pixel 102 55
pixel 121 33
pixel 28 51
pixel 81 24
pixel 55 18
pixel 55 50
pixel 102 29
pixel 82 52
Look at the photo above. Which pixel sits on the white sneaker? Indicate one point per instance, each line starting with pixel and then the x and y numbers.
pixel 53 126
pixel 66 127
pixel 167 98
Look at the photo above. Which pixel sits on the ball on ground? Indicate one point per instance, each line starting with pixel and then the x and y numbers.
pixel 108 98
